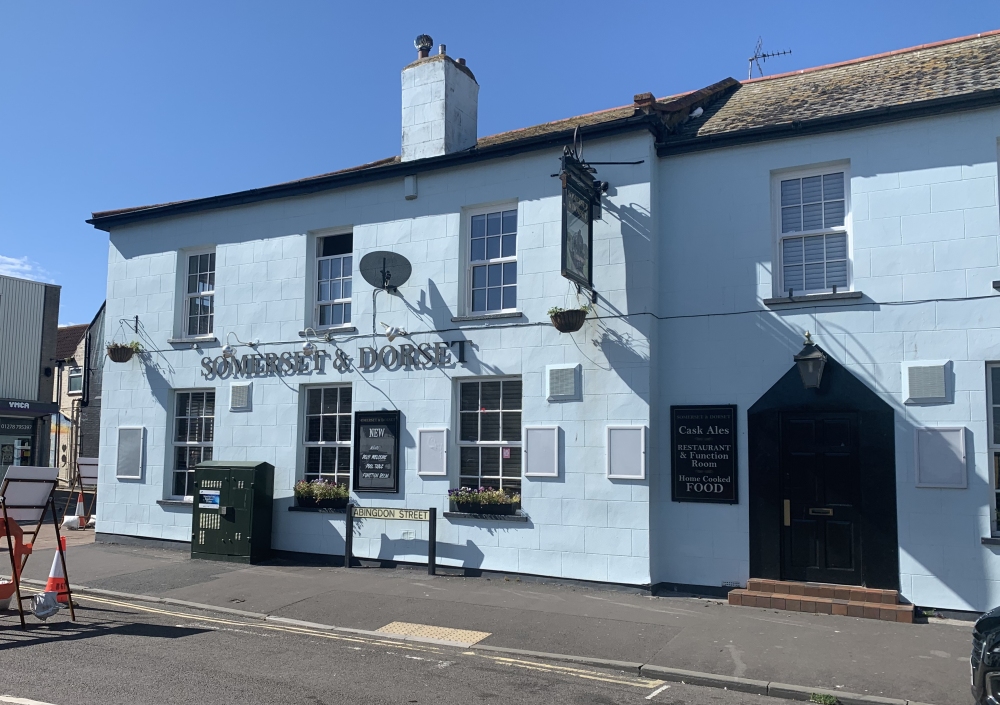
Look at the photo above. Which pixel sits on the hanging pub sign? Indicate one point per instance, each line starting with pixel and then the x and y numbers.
pixel 376 451
pixel 581 204
pixel 703 454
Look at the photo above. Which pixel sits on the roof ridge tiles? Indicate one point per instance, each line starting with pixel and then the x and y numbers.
pixel 874 57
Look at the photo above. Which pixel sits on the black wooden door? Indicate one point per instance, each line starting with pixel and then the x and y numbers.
pixel 821 498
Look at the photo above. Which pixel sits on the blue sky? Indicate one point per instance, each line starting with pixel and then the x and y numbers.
pixel 113 104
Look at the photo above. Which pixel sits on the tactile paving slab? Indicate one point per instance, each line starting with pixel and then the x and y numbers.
pixel 427 631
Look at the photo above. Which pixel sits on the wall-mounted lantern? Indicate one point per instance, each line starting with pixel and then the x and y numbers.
pixel 810 361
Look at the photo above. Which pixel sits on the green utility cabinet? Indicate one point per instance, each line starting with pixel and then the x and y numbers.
pixel 231 518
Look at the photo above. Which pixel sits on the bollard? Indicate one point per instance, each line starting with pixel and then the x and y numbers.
pixel 349 536
pixel 432 541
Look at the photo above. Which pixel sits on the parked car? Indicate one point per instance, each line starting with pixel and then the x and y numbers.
pixel 986 658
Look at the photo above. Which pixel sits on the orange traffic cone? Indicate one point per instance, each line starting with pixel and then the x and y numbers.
pixel 81 511
pixel 57 578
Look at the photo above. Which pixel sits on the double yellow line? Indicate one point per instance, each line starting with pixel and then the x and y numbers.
pixel 644 683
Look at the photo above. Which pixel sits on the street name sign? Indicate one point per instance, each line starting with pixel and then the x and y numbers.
pixel 391 513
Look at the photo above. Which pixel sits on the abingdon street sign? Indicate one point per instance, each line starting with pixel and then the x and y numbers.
pixel 391 357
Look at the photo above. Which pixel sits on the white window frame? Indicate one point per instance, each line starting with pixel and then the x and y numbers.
pixel 516 447
pixel 466 232
pixel 74 372
pixel 184 266
pixel 175 444
pixel 778 273
pixel 314 274
pixel 994 449
pixel 306 444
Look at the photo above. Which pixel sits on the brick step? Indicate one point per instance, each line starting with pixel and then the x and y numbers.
pixel 849 593
pixel 821 605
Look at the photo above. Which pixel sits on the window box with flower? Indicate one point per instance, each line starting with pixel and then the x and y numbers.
pixel 484 500
pixel 320 494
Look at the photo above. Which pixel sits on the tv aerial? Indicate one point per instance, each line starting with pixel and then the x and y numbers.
pixel 385 271
pixel 759 55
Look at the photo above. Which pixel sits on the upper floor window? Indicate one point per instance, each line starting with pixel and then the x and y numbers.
pixel 75 382
pixel 813 244
pixel 333 280
pixel 493 261
pixel 199 297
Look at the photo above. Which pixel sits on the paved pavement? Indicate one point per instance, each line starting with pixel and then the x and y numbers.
pixel 927 663
pixel 119 653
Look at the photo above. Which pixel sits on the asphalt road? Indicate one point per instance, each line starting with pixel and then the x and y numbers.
pixel 124 653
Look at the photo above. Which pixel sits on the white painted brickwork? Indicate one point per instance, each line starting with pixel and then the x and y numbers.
pixel 440 109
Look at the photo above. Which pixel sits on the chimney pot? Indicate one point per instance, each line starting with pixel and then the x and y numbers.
pixel 441 49
pixel 423 44
pixel 461 62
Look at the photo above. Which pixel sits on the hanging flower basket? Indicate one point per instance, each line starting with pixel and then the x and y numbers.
pixel 568 320
pixel 121 352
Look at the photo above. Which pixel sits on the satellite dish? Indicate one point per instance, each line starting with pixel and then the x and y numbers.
pixel 385 270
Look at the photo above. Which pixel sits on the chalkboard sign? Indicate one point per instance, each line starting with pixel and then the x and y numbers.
pixel 703 454
pixel 376 451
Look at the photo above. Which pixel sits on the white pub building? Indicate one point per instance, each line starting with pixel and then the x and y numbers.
pixel 689 435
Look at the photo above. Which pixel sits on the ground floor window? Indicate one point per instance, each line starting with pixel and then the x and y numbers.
pixel 993 399
pixel 327 437
pixel 194 433
pixel 490 434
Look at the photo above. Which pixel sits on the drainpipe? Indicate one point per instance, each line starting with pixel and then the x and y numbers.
pixel 59 377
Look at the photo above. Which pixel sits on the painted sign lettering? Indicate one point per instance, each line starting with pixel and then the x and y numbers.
pixel 703 454
pixel 391 513
pixel 376 451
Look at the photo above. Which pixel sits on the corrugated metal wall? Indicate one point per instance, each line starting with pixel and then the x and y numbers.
pixel 21 307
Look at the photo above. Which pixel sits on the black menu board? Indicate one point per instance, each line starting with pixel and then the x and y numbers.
pixel 376 451
pixel 703 454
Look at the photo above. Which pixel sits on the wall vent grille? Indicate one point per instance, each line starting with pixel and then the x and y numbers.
pixel 927 382
pixel 239 397
pixel 562 382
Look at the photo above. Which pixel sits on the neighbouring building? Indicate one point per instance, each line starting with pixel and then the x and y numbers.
pixel 29 312
pixel 79 366
pixel 685 435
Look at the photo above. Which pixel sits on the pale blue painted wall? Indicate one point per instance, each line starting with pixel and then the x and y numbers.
pixel 583 525
pixel 924 226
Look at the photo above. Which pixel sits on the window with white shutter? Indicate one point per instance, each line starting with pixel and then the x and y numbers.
pixel 813 239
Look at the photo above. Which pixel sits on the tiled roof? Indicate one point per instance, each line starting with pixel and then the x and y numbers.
pixel 733 111
pixel 67 340
pixel 959 67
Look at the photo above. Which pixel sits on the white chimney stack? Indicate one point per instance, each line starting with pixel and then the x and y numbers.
pixel 440 104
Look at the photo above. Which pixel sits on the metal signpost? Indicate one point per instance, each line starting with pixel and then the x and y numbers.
pixel 392 513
